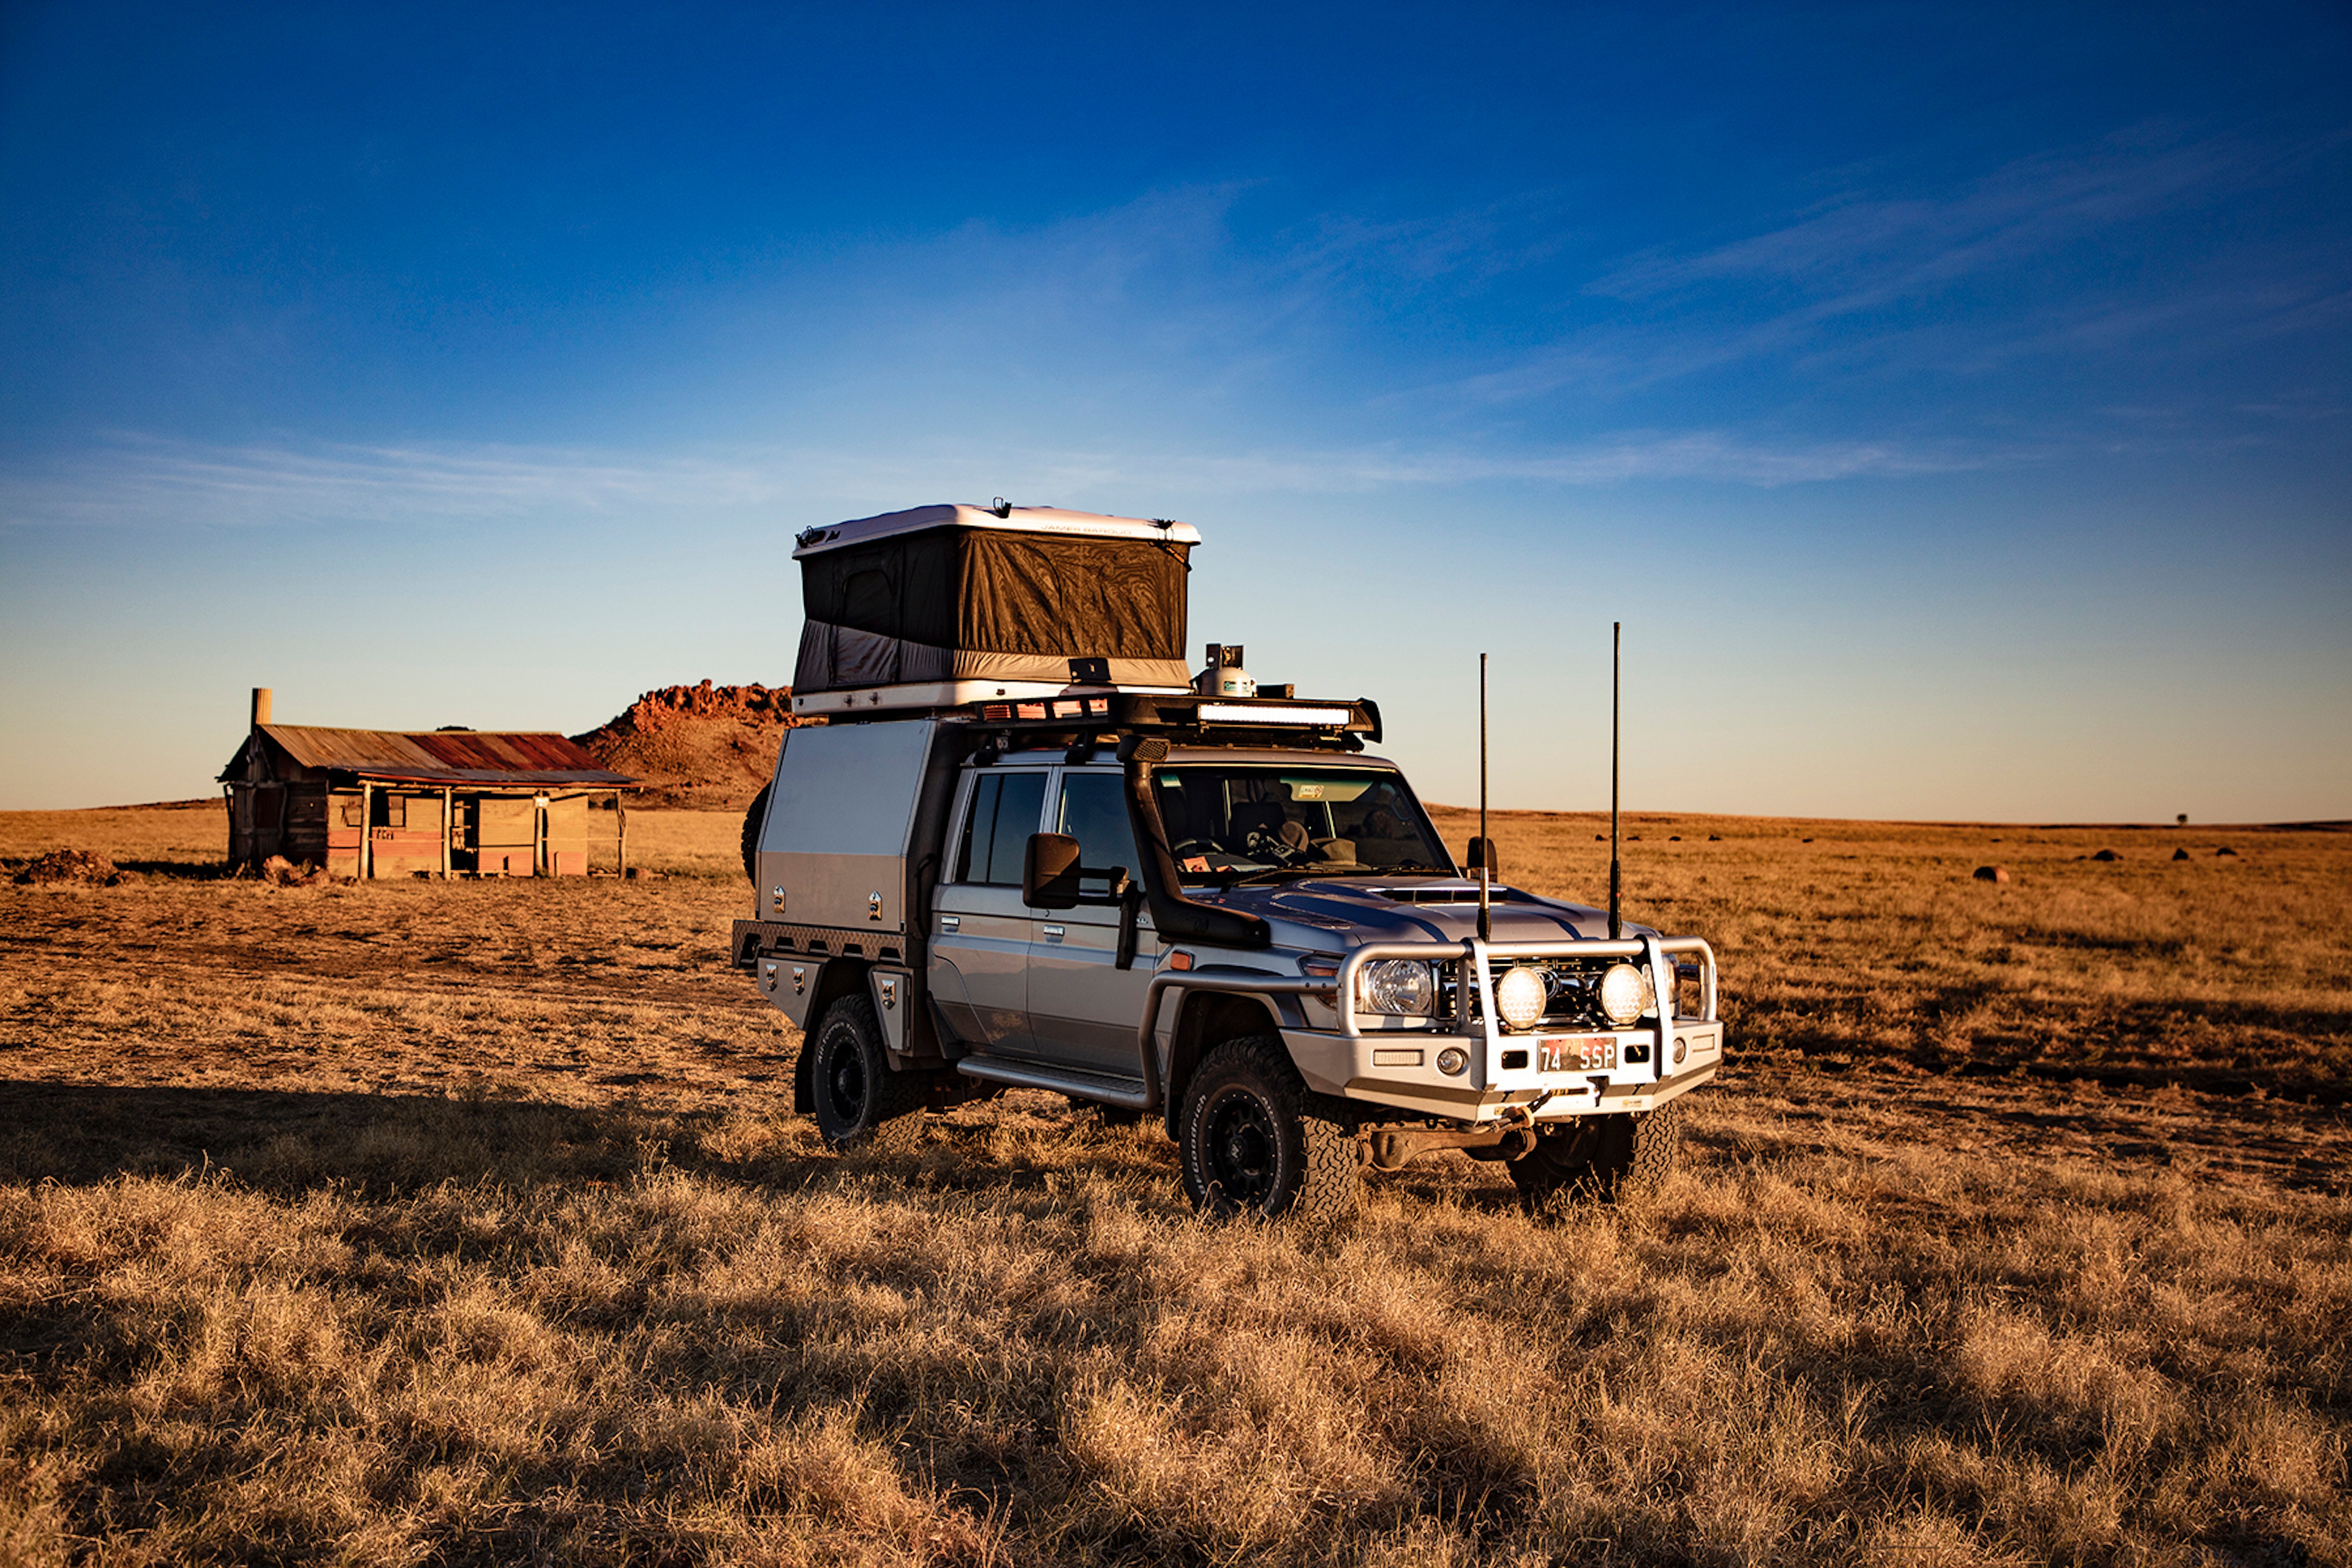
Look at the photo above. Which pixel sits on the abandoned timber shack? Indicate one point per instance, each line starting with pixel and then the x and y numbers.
pixel 390 803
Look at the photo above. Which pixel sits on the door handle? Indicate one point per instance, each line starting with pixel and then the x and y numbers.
pixel 950 924
pixel 1053 934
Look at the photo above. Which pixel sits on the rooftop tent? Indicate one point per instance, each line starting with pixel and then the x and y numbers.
pixel 953 594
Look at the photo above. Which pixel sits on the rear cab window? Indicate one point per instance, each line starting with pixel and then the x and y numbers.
pixel 1006 807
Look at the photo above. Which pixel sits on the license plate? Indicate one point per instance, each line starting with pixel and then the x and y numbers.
pixel 1577 1054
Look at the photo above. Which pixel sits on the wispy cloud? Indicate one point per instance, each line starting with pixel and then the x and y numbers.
pixel 1854 252
pixel 134 479
pixel 154 483
pixel 1156 305
pixel 2040 256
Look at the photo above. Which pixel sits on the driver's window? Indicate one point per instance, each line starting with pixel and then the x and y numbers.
pixel 1092 811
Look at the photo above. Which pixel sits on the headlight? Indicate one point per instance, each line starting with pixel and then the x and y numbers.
pixel 1519 998
pixel 1624 994
pixel 1397 985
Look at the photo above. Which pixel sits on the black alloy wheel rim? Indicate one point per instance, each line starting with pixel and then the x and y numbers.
pixel 846 1082
pixel 1243 1149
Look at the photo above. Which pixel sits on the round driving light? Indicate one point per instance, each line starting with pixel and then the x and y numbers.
pixel 1682 1048
pixel 1399 987
pixel 1451 1060
pixel 1519 998
pixel 1624 994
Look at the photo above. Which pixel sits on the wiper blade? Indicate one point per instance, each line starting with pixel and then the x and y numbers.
pixel 1272 873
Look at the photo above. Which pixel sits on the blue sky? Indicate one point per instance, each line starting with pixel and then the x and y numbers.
pixel 1955 405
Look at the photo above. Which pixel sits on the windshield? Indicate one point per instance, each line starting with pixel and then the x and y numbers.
pixel 1230 824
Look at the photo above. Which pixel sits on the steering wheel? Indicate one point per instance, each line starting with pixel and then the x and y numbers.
pixel 1271 849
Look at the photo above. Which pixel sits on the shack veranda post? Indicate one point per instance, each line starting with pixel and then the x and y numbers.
pixel 1029 848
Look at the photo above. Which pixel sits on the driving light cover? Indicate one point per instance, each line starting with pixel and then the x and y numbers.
pixel 1403 987
pixel 1451 1060
pixel 1519 998
pixel 1255 712
pixel 1624 994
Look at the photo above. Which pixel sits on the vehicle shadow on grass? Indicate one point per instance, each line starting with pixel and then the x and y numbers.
pixel 85 1134
pixel 291 1140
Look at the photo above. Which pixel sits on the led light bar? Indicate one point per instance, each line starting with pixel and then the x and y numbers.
pixel 1257 712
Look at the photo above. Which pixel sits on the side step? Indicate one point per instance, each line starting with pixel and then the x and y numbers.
pixel 1103 1088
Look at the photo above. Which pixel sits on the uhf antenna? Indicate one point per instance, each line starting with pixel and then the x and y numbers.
pixel 1616 843
pixel 1486 844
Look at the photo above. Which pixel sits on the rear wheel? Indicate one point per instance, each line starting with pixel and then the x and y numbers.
pixel 859 1102
pixel 1622 1159
pixel 1248 1149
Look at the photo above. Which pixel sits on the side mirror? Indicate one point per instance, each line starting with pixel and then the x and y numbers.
pixel 1480 852
pixel 1049 872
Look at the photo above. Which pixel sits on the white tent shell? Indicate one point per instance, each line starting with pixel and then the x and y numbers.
pixel 1013 519
pixel 942 605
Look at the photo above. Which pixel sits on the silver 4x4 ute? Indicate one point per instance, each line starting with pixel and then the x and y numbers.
pixel 1225 914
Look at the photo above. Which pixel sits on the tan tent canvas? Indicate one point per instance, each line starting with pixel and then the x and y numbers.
pixel 954 596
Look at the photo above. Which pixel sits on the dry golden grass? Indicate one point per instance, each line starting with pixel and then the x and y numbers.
pixel 1871 944
pixel 467 1224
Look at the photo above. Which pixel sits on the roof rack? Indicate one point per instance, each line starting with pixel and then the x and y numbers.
pixel 1187 719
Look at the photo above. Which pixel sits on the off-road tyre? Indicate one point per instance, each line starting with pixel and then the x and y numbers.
pixel 1248 1147
pixel 860 1103
pixel 1622 1159
pixel 753 818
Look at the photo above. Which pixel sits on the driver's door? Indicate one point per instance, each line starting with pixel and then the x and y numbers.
pixel 1084 1009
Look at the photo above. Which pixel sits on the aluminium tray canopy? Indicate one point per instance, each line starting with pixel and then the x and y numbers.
pixel 946 604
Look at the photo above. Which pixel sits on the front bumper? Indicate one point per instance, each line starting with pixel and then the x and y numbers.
pixel 1649 1064
pixel 1382 1071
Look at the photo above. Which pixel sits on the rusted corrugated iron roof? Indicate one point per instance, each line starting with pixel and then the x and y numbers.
pixel 443 756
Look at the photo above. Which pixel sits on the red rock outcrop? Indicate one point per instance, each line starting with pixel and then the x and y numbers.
pixel 704 746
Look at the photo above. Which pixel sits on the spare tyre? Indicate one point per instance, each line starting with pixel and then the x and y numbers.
pixel 753 818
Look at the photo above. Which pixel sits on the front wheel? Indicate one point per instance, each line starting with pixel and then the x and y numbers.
pixel 1624 1158
pixel 1248 1149
pixel 859 1102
